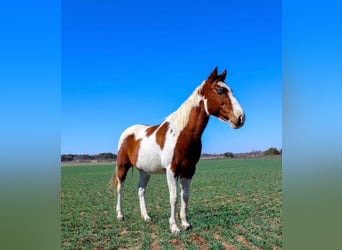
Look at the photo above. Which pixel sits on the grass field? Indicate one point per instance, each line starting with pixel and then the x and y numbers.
pixel 234 204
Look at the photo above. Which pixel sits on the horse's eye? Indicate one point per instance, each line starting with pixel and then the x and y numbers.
pixel 220 91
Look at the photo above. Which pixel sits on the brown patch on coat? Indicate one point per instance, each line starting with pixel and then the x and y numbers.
pixel 161 131
pixel 188 146
pixel 150 130
pixel 131 148
pixel 161 134
pixel 127 156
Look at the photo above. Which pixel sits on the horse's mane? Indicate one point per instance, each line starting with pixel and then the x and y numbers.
pixel 181 116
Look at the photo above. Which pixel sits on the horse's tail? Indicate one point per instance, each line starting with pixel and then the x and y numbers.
pixel 113 182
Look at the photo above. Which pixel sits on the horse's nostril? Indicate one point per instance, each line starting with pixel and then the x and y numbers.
pixel 241 119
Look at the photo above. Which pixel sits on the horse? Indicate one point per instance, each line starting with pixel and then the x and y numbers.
pixel 174 146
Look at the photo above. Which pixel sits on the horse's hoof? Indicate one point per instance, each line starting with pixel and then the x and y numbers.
pixel 175 230
pixel 186 226
pixel 147 219
pixel 120 218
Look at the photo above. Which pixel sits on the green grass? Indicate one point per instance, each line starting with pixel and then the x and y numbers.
pixel 233 203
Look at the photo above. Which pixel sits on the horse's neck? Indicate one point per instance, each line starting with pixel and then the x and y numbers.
pixel 191 118
pixel 197 121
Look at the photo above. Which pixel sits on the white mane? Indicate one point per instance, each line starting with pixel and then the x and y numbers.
pixel 180 117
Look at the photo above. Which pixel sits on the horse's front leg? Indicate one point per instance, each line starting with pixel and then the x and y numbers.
pixel 185 186
pixel 172 184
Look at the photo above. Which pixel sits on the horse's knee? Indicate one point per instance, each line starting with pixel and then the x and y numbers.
pixel 173 199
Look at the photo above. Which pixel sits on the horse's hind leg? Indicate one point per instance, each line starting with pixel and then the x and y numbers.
pixel 120 175
pixel 118 202
pixel 143 181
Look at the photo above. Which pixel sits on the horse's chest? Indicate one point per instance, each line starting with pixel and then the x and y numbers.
pixel 186 156
pixel 188 150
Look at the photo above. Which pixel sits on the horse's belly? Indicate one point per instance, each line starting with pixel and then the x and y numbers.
pixel 149 158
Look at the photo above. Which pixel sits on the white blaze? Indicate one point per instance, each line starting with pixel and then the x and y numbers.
pixel 235 104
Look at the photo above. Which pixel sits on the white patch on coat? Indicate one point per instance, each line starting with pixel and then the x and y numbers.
pixel 237 110
pixel 170 144
pixel 137 130
pixel 149 158
pixel 223 85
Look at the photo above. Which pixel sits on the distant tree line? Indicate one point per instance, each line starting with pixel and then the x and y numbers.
pixel 87 157
pixel 271 152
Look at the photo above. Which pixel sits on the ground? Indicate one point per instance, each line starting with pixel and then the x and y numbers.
pixel 234 204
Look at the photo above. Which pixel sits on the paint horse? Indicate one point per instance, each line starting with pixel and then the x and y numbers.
pixel 174 146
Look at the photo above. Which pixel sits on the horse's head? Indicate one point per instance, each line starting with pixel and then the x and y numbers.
pixel 220 101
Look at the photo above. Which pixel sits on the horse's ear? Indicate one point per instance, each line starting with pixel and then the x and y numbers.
pixel 213 76
pixel 222 77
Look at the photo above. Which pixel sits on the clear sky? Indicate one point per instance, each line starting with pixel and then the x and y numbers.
pixel 130 62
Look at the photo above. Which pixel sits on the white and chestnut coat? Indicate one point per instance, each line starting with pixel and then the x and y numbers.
pixel 174 146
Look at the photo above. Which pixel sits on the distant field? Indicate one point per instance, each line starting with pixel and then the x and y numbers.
pixel 234 204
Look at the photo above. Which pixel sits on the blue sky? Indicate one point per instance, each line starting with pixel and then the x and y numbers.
pixel 129 62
